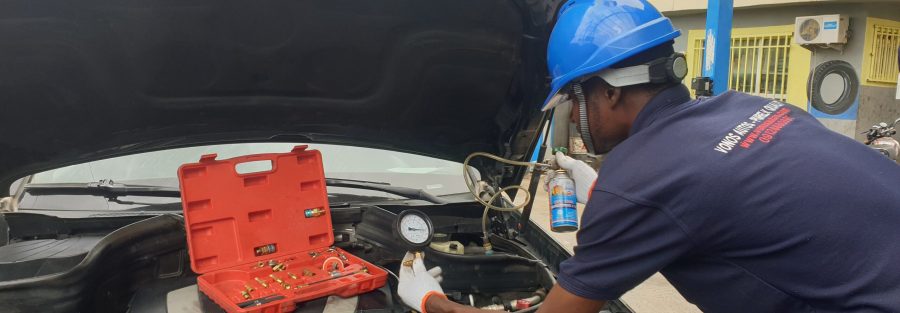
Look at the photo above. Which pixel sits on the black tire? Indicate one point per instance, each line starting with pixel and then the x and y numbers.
pixel 848 96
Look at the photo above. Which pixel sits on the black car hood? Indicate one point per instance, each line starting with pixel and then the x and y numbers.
pixel 84 80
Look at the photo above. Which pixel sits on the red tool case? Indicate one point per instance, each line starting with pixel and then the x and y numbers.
pixel 256 229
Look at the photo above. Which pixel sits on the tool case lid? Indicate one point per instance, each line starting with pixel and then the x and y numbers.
pixel 229 214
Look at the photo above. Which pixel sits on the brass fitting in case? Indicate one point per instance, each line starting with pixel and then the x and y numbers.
pixel 261 282
pixel 276 279
pixel 265 249
pixel 316 212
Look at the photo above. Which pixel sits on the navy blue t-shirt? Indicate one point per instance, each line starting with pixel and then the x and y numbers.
pixel 745 205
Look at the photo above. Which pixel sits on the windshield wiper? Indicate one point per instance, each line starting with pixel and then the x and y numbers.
pixel 111 190
pixel 104 187
pixel 405 192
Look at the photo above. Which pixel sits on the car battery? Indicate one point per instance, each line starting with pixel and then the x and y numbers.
pixel 262 241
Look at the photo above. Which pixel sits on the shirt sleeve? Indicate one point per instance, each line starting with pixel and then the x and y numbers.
pixel 620 244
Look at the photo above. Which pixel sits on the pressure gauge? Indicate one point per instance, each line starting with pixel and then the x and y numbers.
pixel 414 228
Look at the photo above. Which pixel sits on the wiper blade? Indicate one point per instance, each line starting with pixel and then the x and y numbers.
pixel 406 192
pixel 109 189
pixel 345 180
pixel 105 187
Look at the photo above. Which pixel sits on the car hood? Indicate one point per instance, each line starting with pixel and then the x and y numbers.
pixel 85 80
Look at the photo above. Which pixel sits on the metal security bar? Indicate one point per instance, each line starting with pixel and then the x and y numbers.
pixel 883 68
pixel 759 64
pixel 696 59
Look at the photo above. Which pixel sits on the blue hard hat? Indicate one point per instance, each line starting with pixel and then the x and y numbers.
pixel 592 35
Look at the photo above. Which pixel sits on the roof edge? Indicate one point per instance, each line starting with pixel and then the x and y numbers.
pixel 678 7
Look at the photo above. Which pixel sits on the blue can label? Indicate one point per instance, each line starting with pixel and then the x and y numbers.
pixel 563 210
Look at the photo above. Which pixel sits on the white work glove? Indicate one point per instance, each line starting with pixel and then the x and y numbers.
pixel 583 175
pixel 417 284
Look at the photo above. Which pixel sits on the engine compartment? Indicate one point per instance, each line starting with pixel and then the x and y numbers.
pixel 140 263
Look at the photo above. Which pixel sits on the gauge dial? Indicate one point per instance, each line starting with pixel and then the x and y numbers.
pixel 414 228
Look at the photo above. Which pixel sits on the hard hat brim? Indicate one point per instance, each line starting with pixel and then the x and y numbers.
pixel 565 80
pixel 553 100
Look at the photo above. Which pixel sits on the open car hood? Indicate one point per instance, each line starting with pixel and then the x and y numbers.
pixel 85 80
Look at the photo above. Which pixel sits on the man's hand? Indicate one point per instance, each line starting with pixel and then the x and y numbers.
pixel 417 284
pixel 583 175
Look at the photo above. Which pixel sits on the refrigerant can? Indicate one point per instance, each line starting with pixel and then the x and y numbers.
pixel 563 210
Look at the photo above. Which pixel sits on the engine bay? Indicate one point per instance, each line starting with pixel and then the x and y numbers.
pixel 140 263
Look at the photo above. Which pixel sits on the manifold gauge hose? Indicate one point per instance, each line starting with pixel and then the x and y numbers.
pixel 487 204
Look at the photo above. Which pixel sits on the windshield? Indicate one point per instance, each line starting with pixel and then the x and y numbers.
pixel 436 176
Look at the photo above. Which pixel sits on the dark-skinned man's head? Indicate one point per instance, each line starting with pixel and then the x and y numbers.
pixel 612 110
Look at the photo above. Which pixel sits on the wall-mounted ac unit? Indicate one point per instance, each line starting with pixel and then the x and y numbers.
pixel 821 29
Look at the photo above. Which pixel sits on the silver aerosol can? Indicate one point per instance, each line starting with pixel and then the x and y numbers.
pixel 563 210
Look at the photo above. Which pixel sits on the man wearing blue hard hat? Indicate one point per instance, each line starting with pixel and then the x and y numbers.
pixel 743 203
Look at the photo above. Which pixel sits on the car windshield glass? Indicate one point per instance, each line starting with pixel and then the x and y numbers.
pixel 435 176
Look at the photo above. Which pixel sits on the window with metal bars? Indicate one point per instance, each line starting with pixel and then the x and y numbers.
pixel 759 64
pixel 883 54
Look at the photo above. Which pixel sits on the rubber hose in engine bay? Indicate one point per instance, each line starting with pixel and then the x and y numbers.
pixel 496 194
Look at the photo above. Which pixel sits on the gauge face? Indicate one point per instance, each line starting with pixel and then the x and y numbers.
pixel 414 228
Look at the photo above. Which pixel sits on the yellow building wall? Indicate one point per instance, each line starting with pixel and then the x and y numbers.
pixel 687 5
pixel 868 55
pixel 798 67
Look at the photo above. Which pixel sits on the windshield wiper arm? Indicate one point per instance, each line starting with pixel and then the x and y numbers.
pixel 405 192
pixel 105 187
pixel 109 189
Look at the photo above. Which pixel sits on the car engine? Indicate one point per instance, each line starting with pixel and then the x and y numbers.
pixel 140 264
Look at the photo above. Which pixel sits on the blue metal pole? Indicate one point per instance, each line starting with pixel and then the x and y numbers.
pixel 537 148
pixel 717 58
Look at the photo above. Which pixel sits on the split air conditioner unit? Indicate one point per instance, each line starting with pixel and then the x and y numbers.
pixel 821 29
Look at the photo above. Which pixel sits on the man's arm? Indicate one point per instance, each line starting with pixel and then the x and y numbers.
pixel 559 300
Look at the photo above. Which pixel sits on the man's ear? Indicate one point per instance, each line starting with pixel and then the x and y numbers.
pixel 613 95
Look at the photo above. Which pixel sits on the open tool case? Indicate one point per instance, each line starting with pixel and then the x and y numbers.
pixel 262 240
